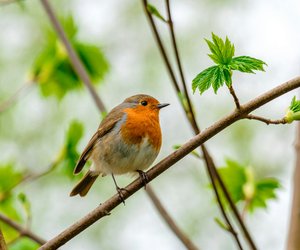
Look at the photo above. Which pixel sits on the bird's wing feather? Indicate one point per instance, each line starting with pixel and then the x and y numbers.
pixel 105 127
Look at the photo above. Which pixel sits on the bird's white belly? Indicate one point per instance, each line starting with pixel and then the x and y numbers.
pixel 124 159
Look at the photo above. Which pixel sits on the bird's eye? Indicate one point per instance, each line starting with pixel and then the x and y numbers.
pixel 144 103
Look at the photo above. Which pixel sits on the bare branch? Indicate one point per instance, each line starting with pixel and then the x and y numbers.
pixel 235 98
pixel 293 242
pixel 74 59
pixel 169 161
pixel 161 47
pixel 170 222
pixel 266 121
pixel 23 231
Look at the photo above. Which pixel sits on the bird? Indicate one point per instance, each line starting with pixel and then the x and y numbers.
pixel 127 140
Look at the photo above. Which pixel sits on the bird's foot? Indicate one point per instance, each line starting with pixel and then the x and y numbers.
pixel 144 177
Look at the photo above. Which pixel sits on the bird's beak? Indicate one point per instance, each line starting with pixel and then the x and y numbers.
pixel 162 105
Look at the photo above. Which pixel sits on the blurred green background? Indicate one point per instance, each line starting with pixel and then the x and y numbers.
pixel 115 38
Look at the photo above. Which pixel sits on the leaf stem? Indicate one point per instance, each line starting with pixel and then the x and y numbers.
pixel 235 98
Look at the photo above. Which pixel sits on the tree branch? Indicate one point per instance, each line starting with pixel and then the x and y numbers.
pixel 266 121
pixel 23 231
pixel 293 242
pixel 170 160
pixel 170 222
pixel 2 241
pixel 74 58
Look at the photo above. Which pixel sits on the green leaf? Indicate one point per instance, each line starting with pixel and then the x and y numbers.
pixel 24 244
pixel 212 76
pixel 9 178
pixel 222 52
pixel 233 175
pixel 293 112
pixel 153 10
pixel 25 204
pixel 221 224
pixel 247 64
pixel 52 68
pixel 265 190
pixel 71 155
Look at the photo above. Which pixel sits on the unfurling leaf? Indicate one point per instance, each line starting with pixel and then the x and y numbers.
pixel 153 10
pixel 222 53
pixel 244 187
pixel 293 112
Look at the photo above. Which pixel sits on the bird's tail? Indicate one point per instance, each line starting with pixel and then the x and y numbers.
pixel 84 184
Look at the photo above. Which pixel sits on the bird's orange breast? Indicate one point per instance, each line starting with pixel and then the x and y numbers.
pixel 141 124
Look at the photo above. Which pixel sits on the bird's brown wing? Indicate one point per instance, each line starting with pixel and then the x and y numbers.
pixel 105 127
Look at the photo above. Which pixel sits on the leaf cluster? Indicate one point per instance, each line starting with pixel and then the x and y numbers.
pixel 244 187
pixel 293 112
pixel 52 69
pixel 222 54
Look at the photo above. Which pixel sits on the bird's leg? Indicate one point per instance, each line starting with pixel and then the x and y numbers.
pixel 144 177
pixel 119 190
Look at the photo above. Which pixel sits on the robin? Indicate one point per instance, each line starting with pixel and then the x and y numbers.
pixel 127 141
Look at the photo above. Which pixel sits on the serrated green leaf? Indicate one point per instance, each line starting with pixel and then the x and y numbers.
pixel 247 64
pixel 222 52
pixel 153 10
pixel 212 76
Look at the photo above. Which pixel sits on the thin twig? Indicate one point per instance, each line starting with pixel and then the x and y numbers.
pixel 189 109
pixel 265 120
pixel 169 161
pixel 23 231
pixel 14 98
pixel 161 47
pixel 171 223
pixel 211 168
pixel 235 98
pixel 2 241
pixel 229 225
pixel 74 58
